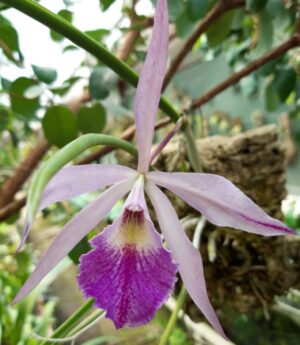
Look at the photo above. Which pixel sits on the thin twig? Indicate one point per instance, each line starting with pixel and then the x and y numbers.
pixel 157 150
pixel 217 11
pixel 293 42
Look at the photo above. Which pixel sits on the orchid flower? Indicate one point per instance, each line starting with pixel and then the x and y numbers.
pixel 129 272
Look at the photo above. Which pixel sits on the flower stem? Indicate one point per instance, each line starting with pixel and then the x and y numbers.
pixel 66 29
pixel 87 321
pixel 192 150
pixel 68 324
pixel 172 321
pixel 64 156
pixel 165 140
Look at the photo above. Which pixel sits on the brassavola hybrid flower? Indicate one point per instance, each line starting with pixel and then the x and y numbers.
pixel 129 272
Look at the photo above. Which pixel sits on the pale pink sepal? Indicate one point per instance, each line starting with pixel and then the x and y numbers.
pixel 73 232
pixel 221 202
pixel 150 84
pixel 74 180
pixel 184 253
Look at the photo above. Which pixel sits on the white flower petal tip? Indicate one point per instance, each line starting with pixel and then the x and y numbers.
pixel 221 202
pixel 184 253
pixel 150 84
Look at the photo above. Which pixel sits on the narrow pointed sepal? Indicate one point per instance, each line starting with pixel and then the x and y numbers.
pixel 72 181
pixel 221 202
pixel 129 273
pixel 186 255
pixel 150 84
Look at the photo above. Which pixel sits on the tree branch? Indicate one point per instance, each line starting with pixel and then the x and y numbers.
pixel 217 11
pixel 12 208
pixel 293 42
pixel 15 182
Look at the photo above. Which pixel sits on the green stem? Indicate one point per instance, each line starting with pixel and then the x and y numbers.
pixel 172 321
pixel 66 29
pixel 88 320
pixel 64 156
pixel 68 324
pixel 192 151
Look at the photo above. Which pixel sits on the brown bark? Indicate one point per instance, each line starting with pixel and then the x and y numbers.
pixel 16 181
pixel 11 208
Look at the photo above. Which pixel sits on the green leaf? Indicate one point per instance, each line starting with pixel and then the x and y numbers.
pixel 59 125
pixel 69 47
pixel 268 68
pixel 218 32
pixel 255 5
pixel 184 26
pixel 9 42
pixel 45 74
pixel 67 15
pixel 105 4
pixel 285 82
pixel 19 102
pixel 4 117
pixel 275 7
pixel 271 98
pixel 176 9
pixel 98 34
pixel 81 247
pixel 10 37
pixel 6 84
pixel 196 9
pixel 61 90
pixel 265 34
pixel 98 87
pixel 65 87
pixel 92 119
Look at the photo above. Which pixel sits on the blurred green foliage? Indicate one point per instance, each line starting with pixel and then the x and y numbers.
pixel 32 315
